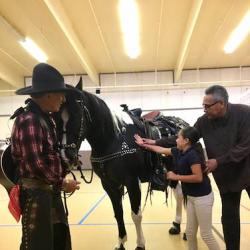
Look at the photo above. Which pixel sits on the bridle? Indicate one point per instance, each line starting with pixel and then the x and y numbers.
pixel 84 125
pixel 85 116
pixel 85 122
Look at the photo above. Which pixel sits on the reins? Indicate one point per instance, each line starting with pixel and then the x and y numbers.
pixel 81 137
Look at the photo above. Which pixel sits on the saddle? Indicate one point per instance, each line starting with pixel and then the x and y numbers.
pixel 153 161
pixel 8 169
pixel 151 116
pixel 144 123
pixel 155 125
pixel 168 125
pixel 135 115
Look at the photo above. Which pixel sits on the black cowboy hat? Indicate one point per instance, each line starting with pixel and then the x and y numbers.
pixel 45 78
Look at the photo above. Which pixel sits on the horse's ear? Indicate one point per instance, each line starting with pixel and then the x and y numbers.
pixel 79 84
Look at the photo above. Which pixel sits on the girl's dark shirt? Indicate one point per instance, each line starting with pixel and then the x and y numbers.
pixel 184 161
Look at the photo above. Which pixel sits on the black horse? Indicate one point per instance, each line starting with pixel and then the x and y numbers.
pixel 115 157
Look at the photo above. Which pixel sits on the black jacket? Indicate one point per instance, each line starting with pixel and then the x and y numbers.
pixel 227 139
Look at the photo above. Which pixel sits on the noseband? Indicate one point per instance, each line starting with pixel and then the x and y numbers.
pixel 84 124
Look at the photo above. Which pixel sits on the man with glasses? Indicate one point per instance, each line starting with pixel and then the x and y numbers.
pixel 225 129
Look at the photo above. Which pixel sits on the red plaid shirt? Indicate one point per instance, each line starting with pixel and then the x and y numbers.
pixel 34 149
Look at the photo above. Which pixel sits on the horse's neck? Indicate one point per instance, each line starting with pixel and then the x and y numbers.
pixel 98 139
pixel 101 133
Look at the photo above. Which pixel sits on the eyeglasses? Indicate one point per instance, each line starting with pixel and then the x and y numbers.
pixel 207 106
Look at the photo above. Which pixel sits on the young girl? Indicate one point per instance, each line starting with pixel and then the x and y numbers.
pixel 195 185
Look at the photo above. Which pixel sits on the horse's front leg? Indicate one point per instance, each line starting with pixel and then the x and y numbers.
pixel 115 194
pixel 134 193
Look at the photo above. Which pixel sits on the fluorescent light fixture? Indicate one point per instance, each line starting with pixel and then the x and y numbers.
pixel 26 42
pixel 130 27
pixel 238 35
pixel 33 50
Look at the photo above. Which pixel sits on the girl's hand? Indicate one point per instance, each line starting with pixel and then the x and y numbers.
pixel 172 176
pixel 138 140
pixel 148 141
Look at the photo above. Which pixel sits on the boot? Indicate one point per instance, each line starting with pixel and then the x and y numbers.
pixel 184 237
pixel 175 229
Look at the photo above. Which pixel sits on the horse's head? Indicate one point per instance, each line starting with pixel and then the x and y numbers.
pixel 71 124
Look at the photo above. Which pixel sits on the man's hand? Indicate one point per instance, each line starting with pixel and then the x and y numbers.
pixel 138 140
pixel 172 176
pixel 211 165
pixel 70 186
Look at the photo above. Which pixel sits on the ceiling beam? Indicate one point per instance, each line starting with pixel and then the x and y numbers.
pixel 58 12
pixel 166 86
pixel 8 75
pixel 185 44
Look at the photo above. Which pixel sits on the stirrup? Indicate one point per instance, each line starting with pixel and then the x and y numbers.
pixel 175 229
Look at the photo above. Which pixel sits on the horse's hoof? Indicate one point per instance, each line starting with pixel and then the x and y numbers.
pixel 121 247
pixel 140 248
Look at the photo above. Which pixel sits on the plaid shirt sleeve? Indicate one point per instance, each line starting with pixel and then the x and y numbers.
pixel 33 146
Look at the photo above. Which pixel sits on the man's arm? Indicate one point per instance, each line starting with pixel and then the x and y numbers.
pixel 239 151
pixel 166 141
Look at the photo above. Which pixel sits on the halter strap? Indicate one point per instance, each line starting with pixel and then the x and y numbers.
pixel 85 115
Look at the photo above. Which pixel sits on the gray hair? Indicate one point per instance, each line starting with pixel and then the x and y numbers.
pixel 218 92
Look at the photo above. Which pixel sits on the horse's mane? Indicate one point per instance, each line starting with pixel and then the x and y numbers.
pixel 100 114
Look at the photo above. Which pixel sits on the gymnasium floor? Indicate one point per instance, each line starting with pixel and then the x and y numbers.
pixel 93 226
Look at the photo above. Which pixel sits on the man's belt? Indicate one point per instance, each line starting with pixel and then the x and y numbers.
pixel 35 183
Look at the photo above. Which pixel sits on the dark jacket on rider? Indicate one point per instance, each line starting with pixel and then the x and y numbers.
pixel 227 139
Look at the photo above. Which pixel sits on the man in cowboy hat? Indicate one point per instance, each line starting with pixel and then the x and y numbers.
pixel 41 175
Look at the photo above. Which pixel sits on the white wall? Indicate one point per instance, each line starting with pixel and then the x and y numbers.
pixel 147 100
pixel 8 104
pixel 186 104
pixel 172 102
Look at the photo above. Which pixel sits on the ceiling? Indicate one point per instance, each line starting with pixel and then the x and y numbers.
pixel 84 36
